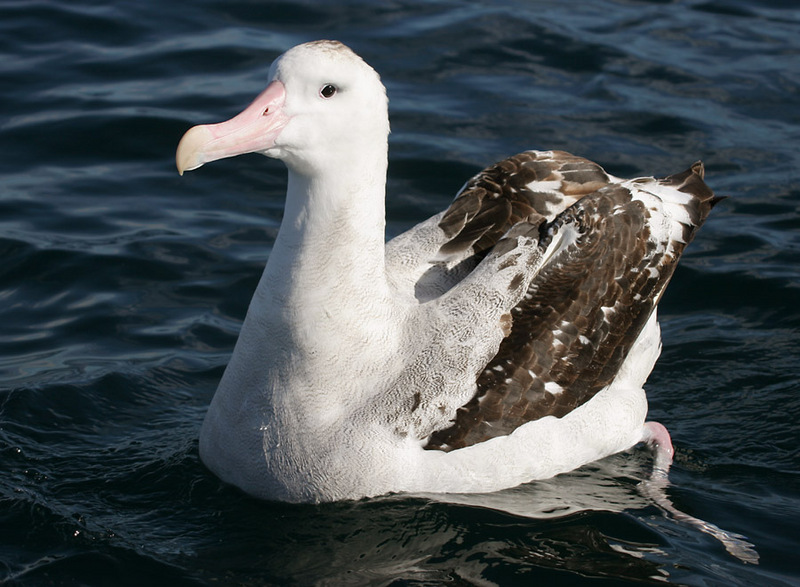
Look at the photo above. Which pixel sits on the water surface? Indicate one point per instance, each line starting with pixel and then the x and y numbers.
pixel 123 286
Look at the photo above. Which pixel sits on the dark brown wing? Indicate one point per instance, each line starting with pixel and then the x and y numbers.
pixel 526 186
pixel 586 308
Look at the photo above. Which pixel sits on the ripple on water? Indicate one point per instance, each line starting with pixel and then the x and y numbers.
pixel 123 286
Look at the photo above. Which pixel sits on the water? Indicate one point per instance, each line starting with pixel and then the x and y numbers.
pixel 123 286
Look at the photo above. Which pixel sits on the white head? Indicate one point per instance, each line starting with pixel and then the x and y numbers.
pixel 323 105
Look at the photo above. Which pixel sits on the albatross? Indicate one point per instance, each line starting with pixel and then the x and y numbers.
pixel 504 340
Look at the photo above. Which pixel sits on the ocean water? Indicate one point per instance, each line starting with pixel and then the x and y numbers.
pixel 123 286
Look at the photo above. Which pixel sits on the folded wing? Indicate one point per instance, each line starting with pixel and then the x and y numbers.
pixel 586 308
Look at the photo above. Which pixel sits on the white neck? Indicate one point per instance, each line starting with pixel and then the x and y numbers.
pixel 324 286
pixel 323 300
pixel 331 240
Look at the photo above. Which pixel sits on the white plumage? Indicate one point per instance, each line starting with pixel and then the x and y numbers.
pixel 366 367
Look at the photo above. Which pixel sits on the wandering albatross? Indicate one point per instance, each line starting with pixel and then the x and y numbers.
pixel 504 340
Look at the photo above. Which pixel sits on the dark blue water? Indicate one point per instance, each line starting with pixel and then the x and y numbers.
pixel 123 286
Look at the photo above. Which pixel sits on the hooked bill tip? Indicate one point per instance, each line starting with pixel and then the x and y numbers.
pixel 188 156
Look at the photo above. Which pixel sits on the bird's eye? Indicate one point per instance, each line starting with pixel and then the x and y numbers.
pixel 327 91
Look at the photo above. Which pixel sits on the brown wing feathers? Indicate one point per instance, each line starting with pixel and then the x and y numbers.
pixel 584 311
pixel 532 185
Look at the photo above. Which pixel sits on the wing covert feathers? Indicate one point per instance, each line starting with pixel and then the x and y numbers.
pixel 582 314
pixel 533 185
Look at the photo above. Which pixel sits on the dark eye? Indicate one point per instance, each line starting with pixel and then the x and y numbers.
pixel 327 91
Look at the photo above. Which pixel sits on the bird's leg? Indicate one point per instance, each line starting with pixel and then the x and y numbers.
pixel 657 436
pixel 655 488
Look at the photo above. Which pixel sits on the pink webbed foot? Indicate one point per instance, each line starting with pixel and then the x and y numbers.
pixel 657 437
